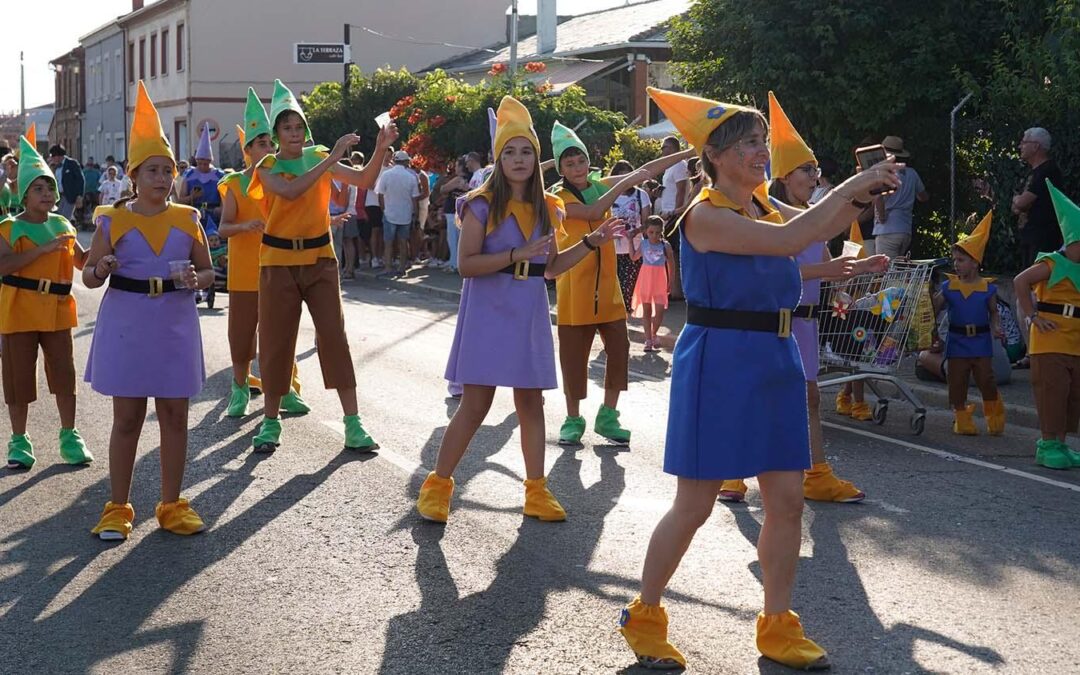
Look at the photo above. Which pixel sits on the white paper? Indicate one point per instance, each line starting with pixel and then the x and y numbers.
pixel 383 119
pixel 852 249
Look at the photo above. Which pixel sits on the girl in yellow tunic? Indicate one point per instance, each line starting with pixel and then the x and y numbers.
pixel 38 254
pixel 299 265
pixel 242 223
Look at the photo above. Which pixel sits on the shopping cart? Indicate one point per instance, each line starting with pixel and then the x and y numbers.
pixel 864 324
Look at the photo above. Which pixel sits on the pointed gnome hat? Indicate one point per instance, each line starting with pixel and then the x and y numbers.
pixel 31 167
pixel 974 244
pixel 787 150
pixel 493 124
pixel 855 237
pixel 205 151
pixel 693 116
pixel 31 137
pixel 562 139
pixel 210 227
pixel 284 101
pixel 1068 214
pixel 256 123
pixel 147 139
pixel 513 120
pixel 242 137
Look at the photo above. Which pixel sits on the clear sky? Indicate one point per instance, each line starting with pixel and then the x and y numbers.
pixel 46 29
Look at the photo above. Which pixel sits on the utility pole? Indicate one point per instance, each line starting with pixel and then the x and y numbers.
pixel 952 166
pixel 22 94
pixel 513 37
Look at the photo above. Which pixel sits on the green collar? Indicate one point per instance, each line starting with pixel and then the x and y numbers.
pixel 589 195
pixel 1062 268
pixel 41 233
pixel 240 177
pixel 312 155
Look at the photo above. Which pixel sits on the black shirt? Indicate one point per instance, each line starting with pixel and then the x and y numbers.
pixel 1041 227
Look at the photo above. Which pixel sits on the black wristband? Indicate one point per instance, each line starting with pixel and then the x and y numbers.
pixel 588 244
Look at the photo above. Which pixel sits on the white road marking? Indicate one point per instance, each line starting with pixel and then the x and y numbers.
pixel 953 457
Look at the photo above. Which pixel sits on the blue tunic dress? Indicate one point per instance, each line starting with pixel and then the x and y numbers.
pixel 738 397
pixel 972 310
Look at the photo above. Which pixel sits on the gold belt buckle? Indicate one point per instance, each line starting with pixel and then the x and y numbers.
pixel 970 330
pixel 1068 311
pixel 157 286
pixel 521 269
pixel 43 286
pixel 298 244
pixel 785 323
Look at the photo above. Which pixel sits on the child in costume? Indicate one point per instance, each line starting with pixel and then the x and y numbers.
pixel 653 284
pixel 1054 342
pixel 38 255
pixel 503 336
pixel 147 342
pixel 795 168
pixel 10 202
pixel 734 366
pixel 971 301
pixel 242 224
pixel 299 266
pixel 589 298
pixel 851 399
pixel 200 182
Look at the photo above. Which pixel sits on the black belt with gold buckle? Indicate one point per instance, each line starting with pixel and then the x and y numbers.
pixel 778 322
pixel 43 286
pixel 968 329
pixel 1067 311
pixel 154 286
pixel 298 244
pixel 807 312
pixel 523 269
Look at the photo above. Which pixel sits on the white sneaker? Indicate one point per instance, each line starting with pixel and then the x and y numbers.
pixel 376 263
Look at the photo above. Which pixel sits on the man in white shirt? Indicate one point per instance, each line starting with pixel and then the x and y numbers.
pixel 399 194
pixel 110 187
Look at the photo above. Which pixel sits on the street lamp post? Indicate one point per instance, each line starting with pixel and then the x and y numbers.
pixel 952 166
pixel 513 37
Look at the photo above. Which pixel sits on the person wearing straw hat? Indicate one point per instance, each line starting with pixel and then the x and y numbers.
pixel 794 171
pixel 893 212
pixel 200 182
pixel 242 224
pixel 734 365
pixel 503 335
pixel 1054 340
pixel 299 265
pixel 147 343
pixel 971 302
pixel 38 256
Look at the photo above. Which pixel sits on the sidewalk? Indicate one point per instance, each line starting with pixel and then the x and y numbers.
pixel 1017 394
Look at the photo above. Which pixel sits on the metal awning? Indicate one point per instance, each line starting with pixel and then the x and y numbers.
pixel 562 74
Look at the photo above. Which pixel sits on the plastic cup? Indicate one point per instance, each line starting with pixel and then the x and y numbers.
pixel 383 119
pixel 177 270
pixel 852 249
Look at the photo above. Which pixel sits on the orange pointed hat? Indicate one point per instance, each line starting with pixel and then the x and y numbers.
pixel 147 138
pixel 787 149
pixel 855 237
pixel 31 138
pixel 974 244
pixel 693 116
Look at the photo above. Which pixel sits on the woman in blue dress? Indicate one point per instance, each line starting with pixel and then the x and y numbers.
pixel 735 365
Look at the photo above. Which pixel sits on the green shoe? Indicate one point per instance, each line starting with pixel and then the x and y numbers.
pixel 1053 454
pixel 355 436
pixel 571 431
pixel 269 437
pixel 292 403
pixel 607 425
pixel 20 453
pixel 73 449
pixel 238 400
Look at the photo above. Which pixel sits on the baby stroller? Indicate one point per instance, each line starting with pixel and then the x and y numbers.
pixel 218 257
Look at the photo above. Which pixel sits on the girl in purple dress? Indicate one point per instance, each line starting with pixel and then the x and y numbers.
pixel 147 343
pixel 503 336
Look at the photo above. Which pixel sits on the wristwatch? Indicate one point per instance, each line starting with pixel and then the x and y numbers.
pixel 588 244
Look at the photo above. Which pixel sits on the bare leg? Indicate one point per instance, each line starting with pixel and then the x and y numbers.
pixel 529 404
pixel 693 503
pixel 349 405
pixel 475 404
pixel 657 321
pixel 128 416
pixel 271 405
pixel 173 420
pixel 646 319
pixel 817 434
pixel 781 536
pixel 18 414
pixel 240 373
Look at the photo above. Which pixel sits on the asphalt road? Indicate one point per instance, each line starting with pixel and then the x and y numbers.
pixel 963 559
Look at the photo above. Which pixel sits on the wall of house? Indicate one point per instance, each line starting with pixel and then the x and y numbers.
pixel 161 48
pixel 104 124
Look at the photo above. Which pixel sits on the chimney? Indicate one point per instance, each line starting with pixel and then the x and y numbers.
pixel 136 5
pixel 546 22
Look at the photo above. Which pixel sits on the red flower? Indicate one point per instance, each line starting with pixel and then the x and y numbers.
pixel 437 121
pixel 535 67
pixel 497 69
pixel 544 88
pixel 416 116
pixel 451 99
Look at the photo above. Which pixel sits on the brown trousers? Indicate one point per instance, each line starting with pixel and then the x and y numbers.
pixel 19 364
pixel 575 346
pixel 243 324
pixel 282 291
pixel 1055 380
pixel 959 373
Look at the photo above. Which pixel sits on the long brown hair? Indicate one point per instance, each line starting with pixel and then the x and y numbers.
pixel 499 188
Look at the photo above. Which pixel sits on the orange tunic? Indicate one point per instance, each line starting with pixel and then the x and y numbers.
pixel 589 292
pixel 244 249
pixel 23 310
pixel 1066 338
pixel 306 217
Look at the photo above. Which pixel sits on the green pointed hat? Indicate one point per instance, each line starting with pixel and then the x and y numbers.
pixel 284 101
pixel 256 123
pixel 31 167
pixel 562 139
pixel 1068 213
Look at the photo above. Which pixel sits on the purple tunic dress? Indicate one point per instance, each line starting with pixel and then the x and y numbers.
pixel 147 347
pixel 503 336
pixel 805 331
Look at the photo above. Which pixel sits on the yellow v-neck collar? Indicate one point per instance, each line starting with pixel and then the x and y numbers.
pixel 966 289
pixel 155 229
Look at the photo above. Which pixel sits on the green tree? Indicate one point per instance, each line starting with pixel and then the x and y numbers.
pixel 369 96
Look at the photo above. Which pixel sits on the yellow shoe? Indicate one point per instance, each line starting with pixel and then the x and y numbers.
pixel 780 638
pixel 178 517
pixel 115 523
pixel 434 500
pixel 843 403
pixel 963 424
pixel 821 485
pixel 861 410
pixel 645 629
pixel 733 491
pixel 540 503
pixel 994 411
